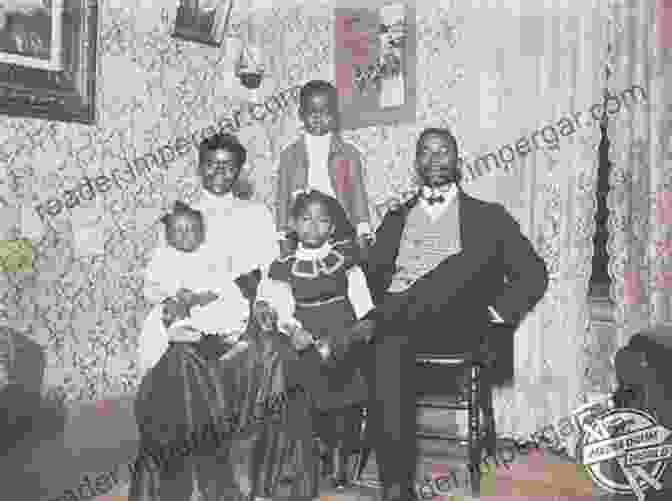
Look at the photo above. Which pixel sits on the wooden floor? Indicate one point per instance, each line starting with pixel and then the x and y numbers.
pixel 100 438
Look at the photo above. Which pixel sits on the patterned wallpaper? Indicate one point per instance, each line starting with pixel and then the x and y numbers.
pixel 83 299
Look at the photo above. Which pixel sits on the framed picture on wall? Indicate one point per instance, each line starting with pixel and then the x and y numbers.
pixel 48 53
pixel 375 57
pixel 203 21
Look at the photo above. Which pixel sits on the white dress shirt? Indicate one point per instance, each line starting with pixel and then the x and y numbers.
pixel 436 210
pixel 318 148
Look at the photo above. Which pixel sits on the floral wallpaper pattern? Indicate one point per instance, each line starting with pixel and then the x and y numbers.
pixel 83 301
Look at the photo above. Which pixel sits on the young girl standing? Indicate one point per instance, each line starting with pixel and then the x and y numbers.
pixel 330 295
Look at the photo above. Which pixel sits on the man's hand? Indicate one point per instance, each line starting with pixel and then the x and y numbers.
pixel 362 331
pixel 265 315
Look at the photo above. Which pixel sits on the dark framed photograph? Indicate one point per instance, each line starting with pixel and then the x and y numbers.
pixel 203 21
pixel 375 56
pixel 48 59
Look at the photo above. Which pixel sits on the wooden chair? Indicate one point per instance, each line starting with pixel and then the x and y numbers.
pixel 475 396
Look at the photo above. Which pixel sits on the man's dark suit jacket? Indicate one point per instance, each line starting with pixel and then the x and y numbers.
pixel 497 267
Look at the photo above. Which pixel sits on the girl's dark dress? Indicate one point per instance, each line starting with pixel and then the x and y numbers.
pixel 320 289
pixel 190 392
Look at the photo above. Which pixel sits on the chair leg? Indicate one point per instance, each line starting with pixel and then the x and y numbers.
pixel 475 442
pixel 488 416
pixel 362 458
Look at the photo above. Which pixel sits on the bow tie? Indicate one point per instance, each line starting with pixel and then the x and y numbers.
pixel 434 195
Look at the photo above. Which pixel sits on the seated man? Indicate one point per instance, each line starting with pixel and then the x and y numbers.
pixel 443 266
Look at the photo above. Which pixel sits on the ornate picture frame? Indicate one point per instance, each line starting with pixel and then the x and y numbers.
pixel 203 21
pixel 48 61
pixel 375 57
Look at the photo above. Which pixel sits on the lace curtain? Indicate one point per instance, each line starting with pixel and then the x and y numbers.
pixel 546 65
pixel 640 196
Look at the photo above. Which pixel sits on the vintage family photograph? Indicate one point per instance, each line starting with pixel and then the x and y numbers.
pixel 335 250
pixel 204 21
pixel 48 55
pixel 30 33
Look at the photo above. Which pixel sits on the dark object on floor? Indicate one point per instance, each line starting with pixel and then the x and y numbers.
pixel 25 415
pixel 643 370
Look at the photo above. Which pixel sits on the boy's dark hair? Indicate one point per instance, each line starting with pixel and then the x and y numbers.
pixel 226 142
pixel 316 87
pixel 303 200
pixel 182 209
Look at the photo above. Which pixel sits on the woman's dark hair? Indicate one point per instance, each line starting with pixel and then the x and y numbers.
pixel 182 209
pixel 226 142
pixel 317 87
pixel 303 200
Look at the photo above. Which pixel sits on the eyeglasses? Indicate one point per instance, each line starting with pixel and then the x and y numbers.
pixel 213 166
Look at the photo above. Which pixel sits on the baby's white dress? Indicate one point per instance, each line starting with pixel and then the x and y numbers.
pixel 200 271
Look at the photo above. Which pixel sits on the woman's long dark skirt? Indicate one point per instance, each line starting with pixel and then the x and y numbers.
pixel 254 395
pixel 183 410
pixel 284 459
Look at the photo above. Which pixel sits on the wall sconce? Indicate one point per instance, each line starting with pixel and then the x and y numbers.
pixel 249 67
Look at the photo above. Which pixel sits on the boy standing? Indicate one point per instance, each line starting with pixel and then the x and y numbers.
pixel 322 161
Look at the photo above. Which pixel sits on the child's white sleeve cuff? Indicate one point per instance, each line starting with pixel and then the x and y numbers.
pixel 358 292
pixel 153 341
pixel 279 296
pixel 364 228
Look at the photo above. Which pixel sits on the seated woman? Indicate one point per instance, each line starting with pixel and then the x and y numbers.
pixel 330 294
pixel 208 373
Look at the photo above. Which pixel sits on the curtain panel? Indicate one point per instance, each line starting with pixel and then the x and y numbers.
pixel 545 70
pixel 640 195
